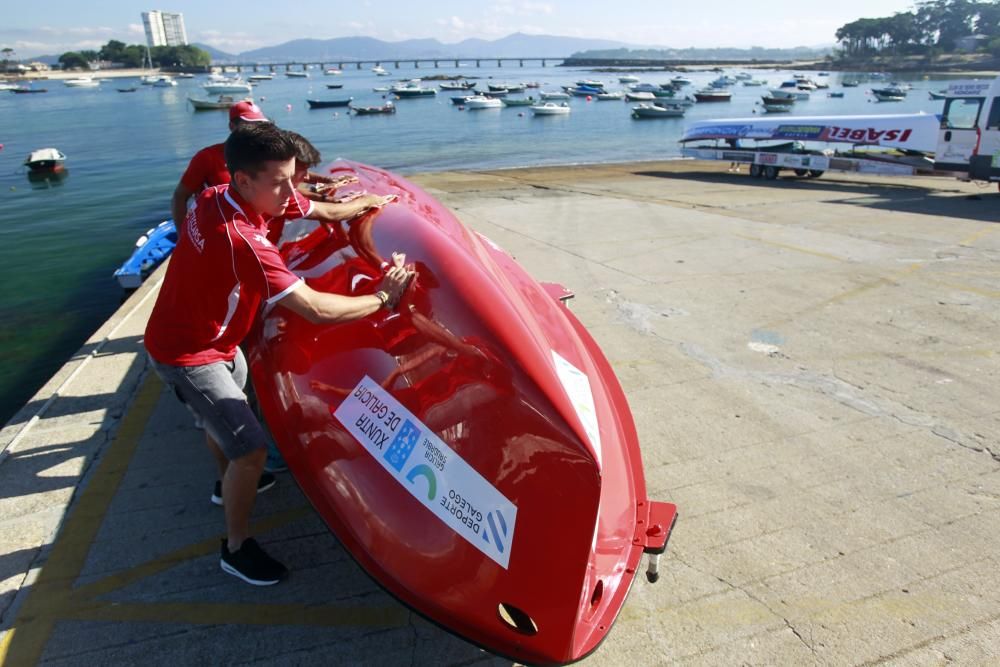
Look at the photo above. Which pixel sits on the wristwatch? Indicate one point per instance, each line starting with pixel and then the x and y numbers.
pixel 383 296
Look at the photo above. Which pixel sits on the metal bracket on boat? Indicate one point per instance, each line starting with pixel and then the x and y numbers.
pixel 654 524
pixel 557 291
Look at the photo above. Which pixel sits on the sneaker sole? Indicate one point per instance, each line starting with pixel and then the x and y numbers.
pixel 229 569
pixel 217 500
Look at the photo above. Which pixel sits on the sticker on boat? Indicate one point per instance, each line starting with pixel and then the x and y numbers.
pixel 577 387
pixel 430 470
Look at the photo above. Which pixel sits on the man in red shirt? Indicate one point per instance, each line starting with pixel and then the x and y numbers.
pixel 208 166
pixel 223 270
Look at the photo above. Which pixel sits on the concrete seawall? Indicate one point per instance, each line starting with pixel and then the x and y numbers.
pixel 812 366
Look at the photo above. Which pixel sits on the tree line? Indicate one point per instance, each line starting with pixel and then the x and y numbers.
pixel 933 26
pixel 134 55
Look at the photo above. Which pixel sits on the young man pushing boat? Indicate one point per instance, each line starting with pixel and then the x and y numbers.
pixel 222 272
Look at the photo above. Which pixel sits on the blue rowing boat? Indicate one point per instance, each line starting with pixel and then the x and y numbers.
pixel 150 250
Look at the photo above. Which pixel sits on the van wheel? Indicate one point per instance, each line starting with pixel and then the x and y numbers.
pixel 770 173
pixel 801 172
pixel 815 173
pixel 756 170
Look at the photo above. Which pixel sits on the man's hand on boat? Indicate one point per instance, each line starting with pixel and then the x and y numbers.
pixel 336 211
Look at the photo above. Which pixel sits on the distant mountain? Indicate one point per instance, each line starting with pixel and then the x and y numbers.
pixel 370 48
pixel 217 55
pixel 690 54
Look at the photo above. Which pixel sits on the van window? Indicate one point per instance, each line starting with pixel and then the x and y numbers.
pixel 994 120
pixel 961 113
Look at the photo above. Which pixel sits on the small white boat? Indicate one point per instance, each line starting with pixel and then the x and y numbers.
pixel 226 87
pixel 45 160
pixel 185 75
pixel 482 102
pixel 755 82
pixel 81 82
pixel 639 96
pixel 657 111
pixel 551 109
pixel 380 89
pixel 164 82
pixel 628 78
pixel 297 75
pixel 223 102
pixel 614 95
pixel 680 81
pixel 260 77
pixel 333 71
pixel 791 93
pixel 553 96
pixel 380 71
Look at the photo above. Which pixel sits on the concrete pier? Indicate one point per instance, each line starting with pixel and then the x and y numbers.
pixel 812 366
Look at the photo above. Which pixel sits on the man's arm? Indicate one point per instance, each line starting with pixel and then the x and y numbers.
pixel 325 308
pixel 178 203
pixel 331 211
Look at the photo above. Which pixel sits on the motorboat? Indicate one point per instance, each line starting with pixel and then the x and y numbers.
pixel 614 95
pixel 326 104
pixel 584 91
pixel 296 75
pixel 640 96
pixel 777 108
pixel 386 108
pixel 333 71
pixel 380 89
pixel 185 75
pixel 519 101
pixel 334 86
pixel 436 440
pixel 657 111
pixel 590 83
pixel 27 90
pixel 7 86
pixel 457 85
pixel 499 94
pixel 378 70
pixel 460 99
pixel 551 109
pixel 226 87
pixel 890 94
pixel 680 81
pixel 164 81
pixel 645 88
pixel 45 160
pixel 482 102
pixel 254 78
pixel 938 94
pixel 131 89
pixel 836 95
pixel 555 95
pixel 412 89
pixel 222 102
pixel 790 93
pixel 81 82
pixel 713 95
pixel 628 78
pixel 754 82
pixel 151 249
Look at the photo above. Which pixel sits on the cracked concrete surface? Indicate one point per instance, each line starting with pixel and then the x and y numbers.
pixel 812 367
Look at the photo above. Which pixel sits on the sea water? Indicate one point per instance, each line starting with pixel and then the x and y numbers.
pixel 60 241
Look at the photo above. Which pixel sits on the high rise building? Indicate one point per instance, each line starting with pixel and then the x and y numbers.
pixel 164 28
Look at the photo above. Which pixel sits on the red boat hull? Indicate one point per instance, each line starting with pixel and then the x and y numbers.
pixel 472 450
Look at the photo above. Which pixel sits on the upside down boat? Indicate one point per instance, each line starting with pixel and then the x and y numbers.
pixel 472 449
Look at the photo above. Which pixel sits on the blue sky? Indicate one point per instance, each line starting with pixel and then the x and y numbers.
pixel 54 26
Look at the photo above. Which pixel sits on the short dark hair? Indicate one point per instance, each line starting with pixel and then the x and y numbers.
pixel 306 153
pixel 250 145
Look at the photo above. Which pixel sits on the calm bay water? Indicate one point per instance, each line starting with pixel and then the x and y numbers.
pixel 59 243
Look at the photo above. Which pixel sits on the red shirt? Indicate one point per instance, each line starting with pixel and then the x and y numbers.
pixel 300 207
pixel 207 168
pixel 221 271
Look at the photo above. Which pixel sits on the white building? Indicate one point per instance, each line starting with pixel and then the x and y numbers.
pixel 164 28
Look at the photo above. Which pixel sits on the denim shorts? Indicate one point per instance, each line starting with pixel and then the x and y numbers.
pixel 214 392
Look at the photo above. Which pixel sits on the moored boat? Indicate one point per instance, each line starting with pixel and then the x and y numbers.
pixel 388 107
pixel 45 160
pixel 412 89
pixel 222 102
pixel 641 96
pixel 296 75
pixel 551 109
pixel 614 95
pixel 436 440
pixel 556 95
pixel 82 82
pixel 150 250
pixel 254 78
pixel 713 95
pixel 28 90
pixel 657 111
pixel 519 101
pixel 326 104
pixel 482 102
pixel 456 85
pixel 226 86
pixel 890 94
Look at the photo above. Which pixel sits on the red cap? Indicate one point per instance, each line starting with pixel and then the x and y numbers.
pixel 246 110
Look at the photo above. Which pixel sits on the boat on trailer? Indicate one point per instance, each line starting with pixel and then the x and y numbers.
pixel 471 449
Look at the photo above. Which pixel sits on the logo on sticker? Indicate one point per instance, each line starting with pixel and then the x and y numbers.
pixel 430 470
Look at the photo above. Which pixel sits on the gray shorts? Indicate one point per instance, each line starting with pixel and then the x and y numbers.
pixel 214 392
